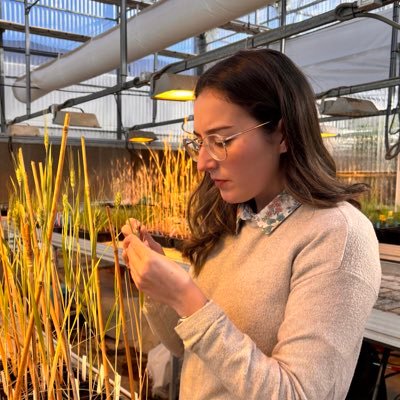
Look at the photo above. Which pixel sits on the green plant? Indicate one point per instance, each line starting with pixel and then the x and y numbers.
pixel 380 215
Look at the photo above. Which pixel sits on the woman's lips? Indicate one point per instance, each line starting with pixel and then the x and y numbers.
pixel 219 183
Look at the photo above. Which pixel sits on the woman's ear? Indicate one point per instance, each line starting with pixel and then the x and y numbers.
pixel 282 143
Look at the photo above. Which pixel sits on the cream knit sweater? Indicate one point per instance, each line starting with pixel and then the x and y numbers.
pixel 287 311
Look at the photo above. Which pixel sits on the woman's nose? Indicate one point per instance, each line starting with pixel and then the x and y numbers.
pixel 205 162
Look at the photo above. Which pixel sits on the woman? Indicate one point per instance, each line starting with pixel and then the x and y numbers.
pixel 284 270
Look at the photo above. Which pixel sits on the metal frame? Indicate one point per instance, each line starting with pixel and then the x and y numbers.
pixel 345 11
pixel 2 91
pixel 89 142
pixel 13 26
pixel 122 71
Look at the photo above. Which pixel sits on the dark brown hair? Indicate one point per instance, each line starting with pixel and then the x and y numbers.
pixel 270 87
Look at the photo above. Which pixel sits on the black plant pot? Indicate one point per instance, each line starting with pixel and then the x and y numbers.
pixel 57 229
pixel 167 241
pixel 66 391
pixel 101 236
pixel 83 234
pixel 388 235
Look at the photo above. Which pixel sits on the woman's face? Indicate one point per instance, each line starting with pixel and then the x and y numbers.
pixel 251 168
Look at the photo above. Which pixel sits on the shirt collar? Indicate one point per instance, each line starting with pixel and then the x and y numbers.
pixel 271 216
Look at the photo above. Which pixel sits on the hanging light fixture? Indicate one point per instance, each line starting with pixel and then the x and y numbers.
pixel 173 87
pixel 328 131
pixel 23 130
pixel 81 118
pixel 137 136
pixel 347 107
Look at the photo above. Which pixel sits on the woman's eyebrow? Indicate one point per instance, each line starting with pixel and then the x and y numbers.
pixel 214 130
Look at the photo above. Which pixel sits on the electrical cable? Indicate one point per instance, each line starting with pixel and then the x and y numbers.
pixel 357 14
pixel 380 18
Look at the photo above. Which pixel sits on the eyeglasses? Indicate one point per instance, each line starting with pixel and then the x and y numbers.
pixel 215 144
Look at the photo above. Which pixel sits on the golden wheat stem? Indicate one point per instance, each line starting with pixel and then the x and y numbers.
pixel 57 184
pixel 121 304
pixel 96 272
pixel 25 353
pixel 28 201
pixel 37 185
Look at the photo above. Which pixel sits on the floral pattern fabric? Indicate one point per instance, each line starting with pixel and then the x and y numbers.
pixel 271 216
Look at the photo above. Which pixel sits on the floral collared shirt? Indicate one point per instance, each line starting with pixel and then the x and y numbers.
pixel 271 216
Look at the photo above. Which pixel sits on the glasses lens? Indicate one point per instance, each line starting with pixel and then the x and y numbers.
pixel 192 148
pixel 216 147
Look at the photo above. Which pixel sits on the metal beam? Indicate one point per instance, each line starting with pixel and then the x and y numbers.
pixel 34 52
pixel 136 82
pixel 243 27
pixel 174 54
pixel 364 87
pixel 345 11
pixel 129 3
pixel 378 113
pixel 13 26
pixel 75 141
pixel 161 123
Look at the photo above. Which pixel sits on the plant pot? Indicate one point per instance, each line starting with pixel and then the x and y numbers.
pixel 57 229
pixel 66 390
pixel 83 234
pixel 168 241
pixel 101 236
pixel 388 235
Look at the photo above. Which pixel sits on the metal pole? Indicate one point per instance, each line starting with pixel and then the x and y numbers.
pixel 154 103
pixel 119 115
pixel 2 92
pixel 123 40
pixel 392 73
pixel 283 23
pixel 27 58
pixel 122 71
pixel 393 63
pixel 200 48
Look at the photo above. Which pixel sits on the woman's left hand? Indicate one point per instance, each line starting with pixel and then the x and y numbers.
pixel 162 279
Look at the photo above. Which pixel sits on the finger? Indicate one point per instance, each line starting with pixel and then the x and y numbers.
pixel 134 266
pixel 143 232
pixel 126 230
pixel 127 240
pixel 153 244
pixel 131 226
pixel 133 274
pixel 137 251
pixel 134 225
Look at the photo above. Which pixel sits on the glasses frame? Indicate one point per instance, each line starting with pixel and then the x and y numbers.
pixel 198 143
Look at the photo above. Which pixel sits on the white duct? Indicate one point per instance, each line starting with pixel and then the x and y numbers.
pixel 153 29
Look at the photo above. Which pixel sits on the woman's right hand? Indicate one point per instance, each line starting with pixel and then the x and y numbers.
pixel 133 226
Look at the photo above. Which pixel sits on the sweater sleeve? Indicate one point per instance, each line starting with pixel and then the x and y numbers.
pixel 319 339
pixel 162 321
